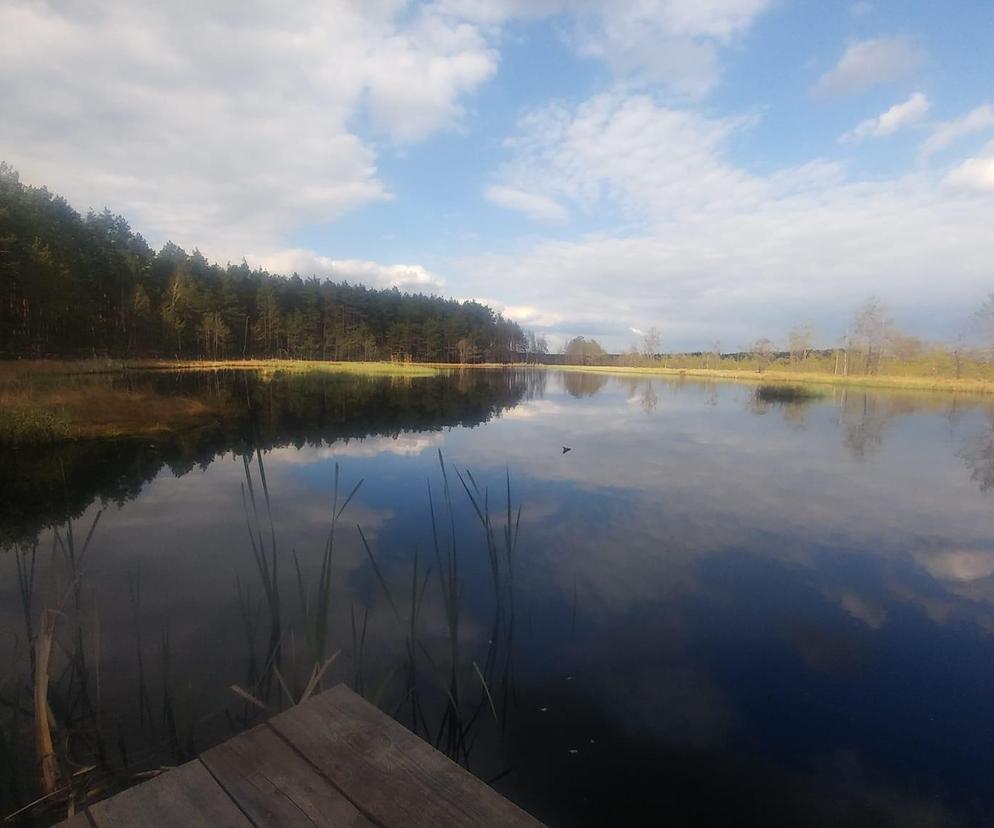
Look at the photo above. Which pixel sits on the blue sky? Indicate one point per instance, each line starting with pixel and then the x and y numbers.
pixel 721 169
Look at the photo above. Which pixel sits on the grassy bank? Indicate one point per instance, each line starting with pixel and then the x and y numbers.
pixel 971 386
pixel 27 369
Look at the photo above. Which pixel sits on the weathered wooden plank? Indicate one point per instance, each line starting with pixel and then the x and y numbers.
pixel 275 787
pixel 393 776
pixel 183 797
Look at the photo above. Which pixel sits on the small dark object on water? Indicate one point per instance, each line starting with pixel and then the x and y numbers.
pixel 566 448
pixel 774 393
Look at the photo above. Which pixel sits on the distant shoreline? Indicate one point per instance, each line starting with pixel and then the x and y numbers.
pixel 11 369
pixel 875 381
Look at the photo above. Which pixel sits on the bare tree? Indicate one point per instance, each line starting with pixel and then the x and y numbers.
pixel 652 343
pixel 903 346
pixel 713 357
pixel 870 329
pixel 762 351
pixel 983 324
pixel 799 342
pixel 960 350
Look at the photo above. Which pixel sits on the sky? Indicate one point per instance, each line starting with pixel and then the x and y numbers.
pixel 718 169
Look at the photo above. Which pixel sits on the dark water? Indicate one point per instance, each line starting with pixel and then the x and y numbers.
pixel 722 609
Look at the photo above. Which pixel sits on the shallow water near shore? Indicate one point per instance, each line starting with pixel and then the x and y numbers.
pixel 723 607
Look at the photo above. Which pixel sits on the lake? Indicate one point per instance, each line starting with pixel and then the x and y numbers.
pixel 719 607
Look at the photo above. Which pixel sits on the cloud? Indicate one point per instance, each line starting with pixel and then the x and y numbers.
pixel 403 445
pixel 869 63
pixel 671 44
pixel 897 117
pixel 225 127
pixel 373 274
pixel 861 9
pixel 712 249
pixel 538 207
pixel 974 173
pixel 527 316
pixel 626 148
pixel 946 133
pixel 958 565
pixel 530 316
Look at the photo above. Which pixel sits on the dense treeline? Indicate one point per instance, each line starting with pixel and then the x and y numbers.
pixel 88 285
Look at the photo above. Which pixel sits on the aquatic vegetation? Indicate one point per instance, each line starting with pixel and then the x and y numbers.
pixel 24 423
pixel 776 393
pixel 72 738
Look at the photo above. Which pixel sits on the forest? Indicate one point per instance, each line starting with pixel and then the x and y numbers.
pixel 74 285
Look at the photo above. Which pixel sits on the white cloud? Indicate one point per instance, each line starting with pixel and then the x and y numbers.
pixel 626 148
pixel 530 316
pixel 228 125
pixel 225 125
pixel 946 133
pixel 897 117
pixel 668 43
pixel 869 63
pixel 372 274
pixel 713 247
pixel 974 173
pixel 671 44
pixel 495 12
pixel 958 564
pixel 527 316
pixel 533 205
pixel 404 445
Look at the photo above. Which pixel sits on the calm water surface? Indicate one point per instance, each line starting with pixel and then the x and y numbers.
pixel 722 610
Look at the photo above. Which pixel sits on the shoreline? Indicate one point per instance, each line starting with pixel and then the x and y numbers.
pixel 19 369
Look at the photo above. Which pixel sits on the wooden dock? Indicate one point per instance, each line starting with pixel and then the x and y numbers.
pixel 334 760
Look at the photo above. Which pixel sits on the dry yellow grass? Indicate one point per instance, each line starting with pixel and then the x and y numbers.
pixel 25 368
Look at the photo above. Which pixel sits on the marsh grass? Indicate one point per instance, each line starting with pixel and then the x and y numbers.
pixel 90 407
pixel 25 422
pixel 296 666
pixel 450 696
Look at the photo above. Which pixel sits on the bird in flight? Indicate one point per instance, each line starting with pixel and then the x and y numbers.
pixel 566 448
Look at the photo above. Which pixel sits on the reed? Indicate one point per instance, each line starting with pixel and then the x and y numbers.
pixel 450 696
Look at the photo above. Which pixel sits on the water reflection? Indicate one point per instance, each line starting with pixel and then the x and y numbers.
pixel 710 614
pixel 40 486
pixel 978 454
pixel 581 384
